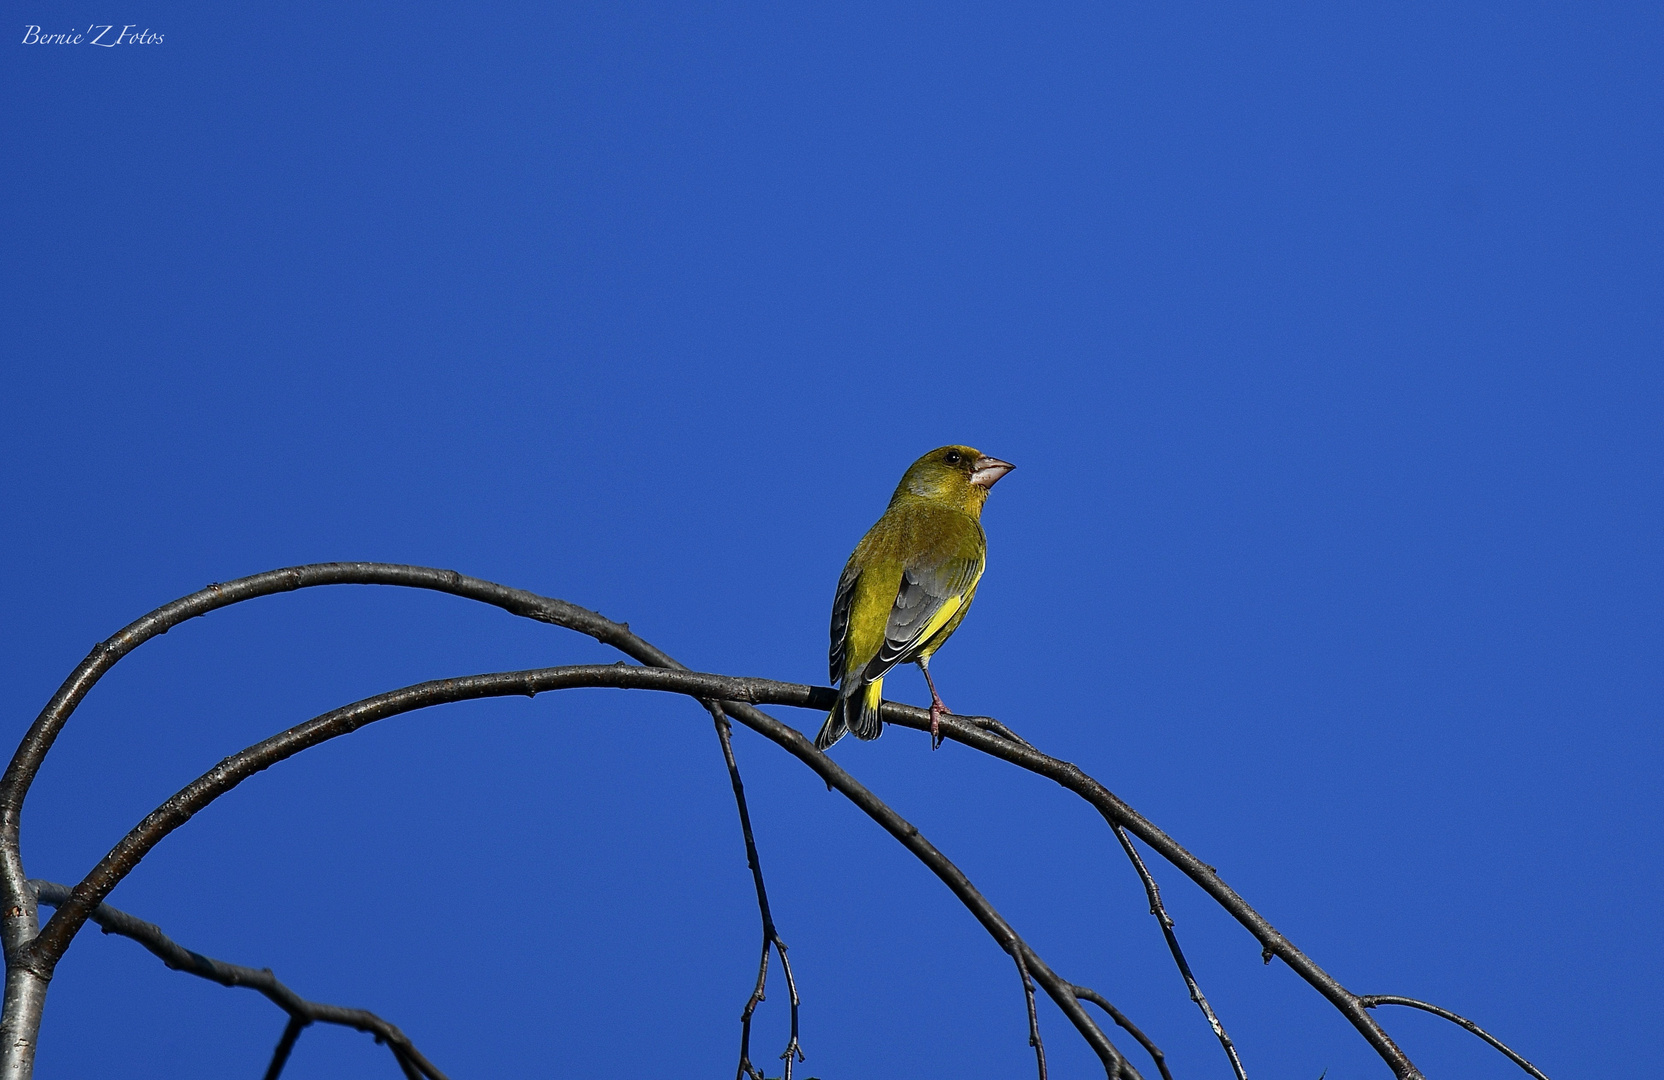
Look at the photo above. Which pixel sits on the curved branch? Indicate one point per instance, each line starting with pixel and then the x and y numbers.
pixel 1369 1001
pixel 17 905
pixel 301 1011
pixel 26 983
pixel 735 694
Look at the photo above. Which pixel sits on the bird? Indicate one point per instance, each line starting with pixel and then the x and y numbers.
pixel 908 585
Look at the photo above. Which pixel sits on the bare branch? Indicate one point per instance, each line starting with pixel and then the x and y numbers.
pixel 1033 1016
pixel 1086 993
pixel 1159 910
pixel 1369 1001
pixel 285 1047
pixel 16 905
pixel 302 1012
pixel 771 936
pixel 28 970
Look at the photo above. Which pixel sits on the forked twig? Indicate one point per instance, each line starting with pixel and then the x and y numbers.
pixel 302 1013
pixel 1369 1001
pixel 1086 993
pixel 771 936
pixel 1159 910
pixel 1017 950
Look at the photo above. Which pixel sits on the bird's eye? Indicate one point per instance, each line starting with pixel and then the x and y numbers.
pixel 952 457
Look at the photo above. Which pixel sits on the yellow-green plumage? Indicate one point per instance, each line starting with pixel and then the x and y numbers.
pixel 908 584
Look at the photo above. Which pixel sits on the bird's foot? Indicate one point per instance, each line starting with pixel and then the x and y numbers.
pixel 937 711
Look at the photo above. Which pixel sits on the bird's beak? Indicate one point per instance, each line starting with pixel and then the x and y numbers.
pixel 988 471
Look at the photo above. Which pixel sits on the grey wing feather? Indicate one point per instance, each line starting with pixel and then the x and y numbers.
pixel 840 621
pixel 924 589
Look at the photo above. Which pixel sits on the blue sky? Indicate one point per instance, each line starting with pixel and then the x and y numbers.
pixel 1326 339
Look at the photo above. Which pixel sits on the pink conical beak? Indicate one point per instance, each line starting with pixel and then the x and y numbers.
pixel 988 471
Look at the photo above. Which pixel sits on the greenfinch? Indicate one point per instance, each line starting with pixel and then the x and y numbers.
pixel 908 585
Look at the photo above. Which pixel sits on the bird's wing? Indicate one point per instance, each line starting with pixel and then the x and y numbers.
pixel 841 603
pixel 930 595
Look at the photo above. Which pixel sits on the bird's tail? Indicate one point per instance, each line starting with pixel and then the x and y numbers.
pixel 857 712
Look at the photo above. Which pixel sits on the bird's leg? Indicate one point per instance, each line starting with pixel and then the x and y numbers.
pixel 937 708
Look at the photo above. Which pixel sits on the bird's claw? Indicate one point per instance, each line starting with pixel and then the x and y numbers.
pixel 937 711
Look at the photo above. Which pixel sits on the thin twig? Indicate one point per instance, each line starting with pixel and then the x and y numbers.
pixel 746 1070
pixel 1086 993
pixel 285 1045
pixel 302 1012
pixel 771 935
pixel 791 989
pixel 1159 910
pixel 1369 1001
pixel 1017 949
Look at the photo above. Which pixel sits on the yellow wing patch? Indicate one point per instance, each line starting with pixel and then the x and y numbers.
pixel 950 608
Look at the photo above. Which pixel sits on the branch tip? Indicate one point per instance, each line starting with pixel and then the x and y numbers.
pixel 1370 1001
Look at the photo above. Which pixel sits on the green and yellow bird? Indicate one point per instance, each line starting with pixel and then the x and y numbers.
pixel 907 587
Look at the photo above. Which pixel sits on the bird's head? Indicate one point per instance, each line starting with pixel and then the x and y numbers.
pixel 958 475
